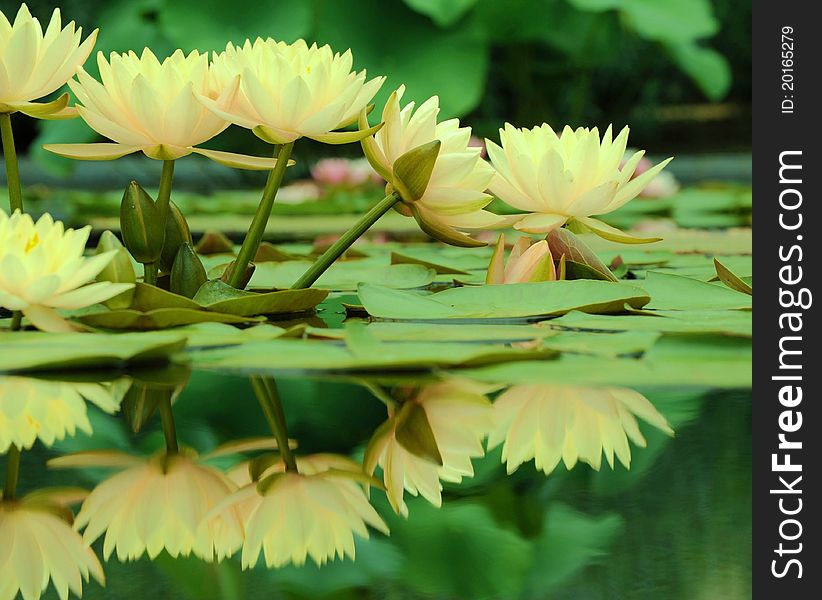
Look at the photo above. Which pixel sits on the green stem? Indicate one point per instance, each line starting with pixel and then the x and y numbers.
pixel 169 431
pixel 344 243
pixel 252 240
pixel 266 390
pixel 16 320
pixel 162 202
pixel 12 171
pixel 150 273
pixel 12 471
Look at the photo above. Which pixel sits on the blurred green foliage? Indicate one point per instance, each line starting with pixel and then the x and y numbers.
pixel 524 61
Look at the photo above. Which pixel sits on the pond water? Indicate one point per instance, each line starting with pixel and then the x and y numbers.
pixel 676 525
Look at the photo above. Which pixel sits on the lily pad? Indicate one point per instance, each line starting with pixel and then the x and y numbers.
pixel 219 297
pixel 674 292
pixel 719 322
pixel 362 353
pixel 731 279
pixel 34 350
pixel 160 318
pixel 343 276
pixel 441 332
pixel 502 301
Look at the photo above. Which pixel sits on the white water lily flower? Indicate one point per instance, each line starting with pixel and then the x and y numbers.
pixel 42 268
pixel 552 422
pixel 48 410
pixel 157 503
pixel 34 63
pixel 459 417
pixel 455 194
pixel 287 91
pixel 529 261
pixel 149 106
pixel 38 546
pixel 315 512
pixel 566 178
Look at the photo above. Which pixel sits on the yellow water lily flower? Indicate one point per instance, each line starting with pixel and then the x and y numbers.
pixel 553 422
pixel 283 92
pixel 42 268
pixel 430 438
pixel 157 503
pixel 528 261
pixel 455 193
pixel 315 512
pixel 149 106
pixel 38 546
pixel 34 63
pixel 566 178
pixel 48 410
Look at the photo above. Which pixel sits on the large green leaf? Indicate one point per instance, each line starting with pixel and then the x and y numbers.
pixel 673 292
pixel 315 355
pixel 707 67
pixel 33 350
pixel 702 361
pixel 410 49
pixel 343 276
pixel 217 296
pixel 209 24
pixel 739 323
pixel 502 301
pixel 159 318
pixel 443 12
pixel 442 332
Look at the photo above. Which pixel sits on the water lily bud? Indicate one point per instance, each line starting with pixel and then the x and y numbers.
pixel 119 270
pixel 529 261
pixel 177 234
pixel 143 232
pixel 187 273
pixel 412 170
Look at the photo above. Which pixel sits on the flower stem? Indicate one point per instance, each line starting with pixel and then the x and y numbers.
pixel 162 202
pixel 150 273
pixel 16 320
pixel 12 471
pixel 169 431
pixel 344 243
pixel 266 390
pixel 252 240
pixel 12 171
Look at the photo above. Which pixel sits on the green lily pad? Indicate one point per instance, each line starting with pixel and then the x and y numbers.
pixel 159 318
pixel 707 361
pixel 219 297
pixel 441 332
pixel 602 344
pixel 343 276
pixel 362 353
pixel 719 322
pixel 149 297
pixel 34 350
pixel 674 292
pixel 502 301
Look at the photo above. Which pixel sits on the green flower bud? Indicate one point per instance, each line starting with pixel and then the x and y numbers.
pixel 143 232
pixel 177 234
pixel 187 272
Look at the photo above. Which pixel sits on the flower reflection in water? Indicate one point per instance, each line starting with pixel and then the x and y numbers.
pixel 314 512
pixel 38 544
pixel 429 437
pixel 32 408
pixel 549 423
